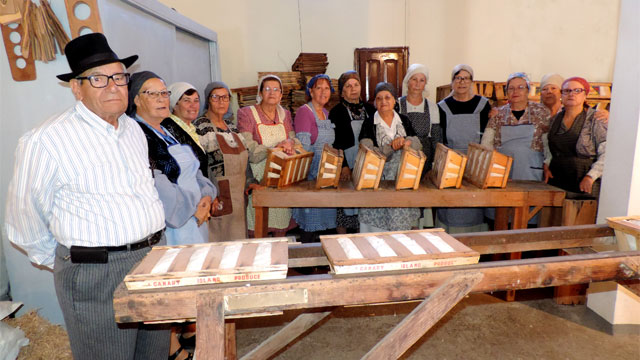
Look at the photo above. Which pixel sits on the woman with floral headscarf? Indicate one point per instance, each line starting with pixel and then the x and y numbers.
pixel 262 126
pixel 422 112
pixel 314 129
pixel 348 116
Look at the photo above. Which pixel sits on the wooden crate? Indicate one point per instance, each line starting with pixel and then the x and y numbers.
pixel 487 167
pixel 448 168
pixel 330 167
pixel 627 229
pixel 396 250
pixel 368 168
pixel 600 90
pixel 282 170
pixel 410 169
pixel 203 264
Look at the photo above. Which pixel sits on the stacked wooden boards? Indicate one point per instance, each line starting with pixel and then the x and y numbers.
pixel 392 251
pixel 202 264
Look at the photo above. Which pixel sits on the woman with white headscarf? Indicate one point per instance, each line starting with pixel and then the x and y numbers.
pixel 267 125
pixel 422 113
pixel 463 118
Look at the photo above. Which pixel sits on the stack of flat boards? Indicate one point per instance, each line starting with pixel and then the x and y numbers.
pixel 311 64
pixel 246 95
pixel 397 250
pixel 211 263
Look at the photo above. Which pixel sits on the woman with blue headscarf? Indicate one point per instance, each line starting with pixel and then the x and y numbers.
pixel 314 129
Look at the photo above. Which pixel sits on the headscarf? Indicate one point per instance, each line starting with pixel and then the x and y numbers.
pixel 385 86
pixel 346 76
pixel 456 70
pixel 177 90
pixel 460 67
pixel 262 80
pixel 212 86
pixel 314 80
pixel 582 81
pixel 520 75
pixel 135 84
pixel 412 70
pixel 553 79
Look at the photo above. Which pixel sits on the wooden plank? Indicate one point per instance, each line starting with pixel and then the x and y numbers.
pixel 230 347
pixel 326 290
pixel 423 317
pixel 286 335
pixel 210 340
pixel 261 220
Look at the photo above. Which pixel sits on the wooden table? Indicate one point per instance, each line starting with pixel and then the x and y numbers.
pixel 519 195
pixel 441 289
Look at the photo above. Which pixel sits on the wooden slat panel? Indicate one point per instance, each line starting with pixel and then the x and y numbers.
pixel 181 261
pixel 247 254
pixel 149 261
pixel 365 248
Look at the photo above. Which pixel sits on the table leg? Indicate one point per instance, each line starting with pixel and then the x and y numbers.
pixel 502 219
pixel 210 341
pixel 230 348
pixel 520 219
pixel 262 221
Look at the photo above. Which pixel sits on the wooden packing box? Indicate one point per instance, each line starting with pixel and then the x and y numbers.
pixel 282 170
pixel 487 167
pixel 396 250
pixel 448 167
pixel 201 264
pixel 330 167
pixel 410 169
pixel 367 171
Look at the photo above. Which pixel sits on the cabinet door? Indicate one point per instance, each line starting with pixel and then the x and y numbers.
pixel 375 65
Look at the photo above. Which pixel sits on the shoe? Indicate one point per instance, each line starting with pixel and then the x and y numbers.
pixel 175 355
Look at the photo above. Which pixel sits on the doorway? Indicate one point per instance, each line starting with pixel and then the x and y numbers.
pixel 380 64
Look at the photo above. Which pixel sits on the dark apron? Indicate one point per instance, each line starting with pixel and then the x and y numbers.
pixel 567 167
pixel 418 121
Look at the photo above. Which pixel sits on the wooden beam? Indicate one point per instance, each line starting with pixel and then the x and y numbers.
pixel 327 290
pixel 286 335
pixel 210 340
pixel 261 222
pixel 230 347
pixel 423 317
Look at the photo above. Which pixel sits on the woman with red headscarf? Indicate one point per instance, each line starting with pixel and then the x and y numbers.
pixel 577 142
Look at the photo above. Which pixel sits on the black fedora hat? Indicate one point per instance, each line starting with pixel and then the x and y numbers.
pixel 88 51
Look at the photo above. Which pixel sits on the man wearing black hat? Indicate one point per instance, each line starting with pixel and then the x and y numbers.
pixel 82 201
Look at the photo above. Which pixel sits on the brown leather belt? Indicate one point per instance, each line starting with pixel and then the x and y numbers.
pixel 146 242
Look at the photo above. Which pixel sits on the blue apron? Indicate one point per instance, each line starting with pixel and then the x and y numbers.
pixel 462 129
pixel 527 163
pixel 189 233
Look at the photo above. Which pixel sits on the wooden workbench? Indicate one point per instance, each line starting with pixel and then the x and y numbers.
pixel 519 195
pixel 442 288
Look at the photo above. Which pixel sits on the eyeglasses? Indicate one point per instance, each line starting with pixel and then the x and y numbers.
pixel 271 89
pixel 155 94
pixel 514 88
pixel 102 81
pixel 569 91
pixel 220 98
pixel 461 79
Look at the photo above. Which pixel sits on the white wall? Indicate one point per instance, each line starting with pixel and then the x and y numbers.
pixel 496 37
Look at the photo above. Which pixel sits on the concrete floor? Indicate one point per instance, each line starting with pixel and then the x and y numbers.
pixel 481 326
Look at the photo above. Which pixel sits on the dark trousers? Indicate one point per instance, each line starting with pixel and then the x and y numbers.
pixel 85 294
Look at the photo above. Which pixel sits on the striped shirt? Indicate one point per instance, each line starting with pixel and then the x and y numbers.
pixel 80 181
